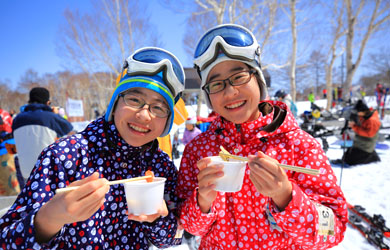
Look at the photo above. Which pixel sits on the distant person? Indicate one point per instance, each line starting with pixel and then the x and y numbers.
pixel 97 113
pixel 366 125
pixel 12 113
pixel 362 92
pixel 37 127
pixel 311 97
pixel 191 131
pixel 339 94
pixel 380 93
pixel 120 145
pixel 8 180
pixel 334 97
pixel 324 92
pixel 9 184
pixel 5 121
pixel 286 98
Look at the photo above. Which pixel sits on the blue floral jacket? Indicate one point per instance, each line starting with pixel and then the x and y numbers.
pixel 98 148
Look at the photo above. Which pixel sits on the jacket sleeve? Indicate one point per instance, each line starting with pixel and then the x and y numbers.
pixel 17 225
pixel 369 127
pixel 316 217
pixel 185 138
pixel 192 218
pixel 162 231
pixel 61 125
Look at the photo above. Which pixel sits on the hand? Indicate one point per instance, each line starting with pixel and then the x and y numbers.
pixel 206 179
pixel 351 123
pixel 72 206
pixel 270 179
pixel 162 211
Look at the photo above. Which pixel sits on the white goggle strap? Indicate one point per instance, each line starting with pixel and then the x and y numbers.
pixel 151 68
pixel 244 53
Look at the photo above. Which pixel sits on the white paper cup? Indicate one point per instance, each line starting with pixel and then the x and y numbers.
pixel 234 171
pixel 144 197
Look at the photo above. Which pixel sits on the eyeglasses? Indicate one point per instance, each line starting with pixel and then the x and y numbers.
pixel 156 109
pixel 236 79
pixel 235 41
pixel 151 61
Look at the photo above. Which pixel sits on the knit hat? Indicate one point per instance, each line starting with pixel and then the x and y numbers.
pixel 191 120
pixel 154 83
pixel 361 106
pixel 39 95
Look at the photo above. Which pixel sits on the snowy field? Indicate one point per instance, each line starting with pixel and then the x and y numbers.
pixel 363 185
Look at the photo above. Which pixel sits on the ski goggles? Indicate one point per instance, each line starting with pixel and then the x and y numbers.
pixel 151 60
pixel 232 40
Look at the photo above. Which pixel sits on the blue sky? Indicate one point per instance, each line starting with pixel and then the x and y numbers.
pixel 29 30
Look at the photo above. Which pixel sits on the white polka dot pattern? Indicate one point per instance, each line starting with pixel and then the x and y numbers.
pixel 74 158
pixel 239 220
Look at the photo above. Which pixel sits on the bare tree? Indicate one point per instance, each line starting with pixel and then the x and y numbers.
pixel 259 16
pixel 380 63
pixel 334 51
pixel 316 70
pixel 11 99
pixel 294 43
pixel 29 79
pixel 357 12
pixel 100 41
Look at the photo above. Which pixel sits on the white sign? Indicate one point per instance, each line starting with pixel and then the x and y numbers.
pixel 74 107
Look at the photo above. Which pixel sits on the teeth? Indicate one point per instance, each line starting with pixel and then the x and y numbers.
pixel 235 105
pixel 138 128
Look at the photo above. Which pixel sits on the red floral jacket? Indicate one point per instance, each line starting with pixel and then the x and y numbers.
pixel 315 218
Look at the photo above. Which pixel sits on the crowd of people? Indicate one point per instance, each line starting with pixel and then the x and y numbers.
pixel 275 208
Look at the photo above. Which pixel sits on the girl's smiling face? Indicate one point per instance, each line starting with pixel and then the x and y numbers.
pixel 138 126
pixel 237 104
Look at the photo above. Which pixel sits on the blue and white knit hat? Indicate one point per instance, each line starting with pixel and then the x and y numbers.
pixel 154 83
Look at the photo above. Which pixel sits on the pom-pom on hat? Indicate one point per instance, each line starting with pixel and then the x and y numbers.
pixel 39 95
pixel 361 106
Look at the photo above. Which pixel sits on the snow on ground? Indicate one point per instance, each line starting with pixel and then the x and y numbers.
pixel 365 185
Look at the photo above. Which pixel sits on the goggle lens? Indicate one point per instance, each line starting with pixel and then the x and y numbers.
pixel 156 56
pixel 233 35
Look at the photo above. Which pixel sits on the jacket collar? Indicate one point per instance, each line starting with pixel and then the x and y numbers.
pixel 37 106
pixel 274 119
pixel 112 141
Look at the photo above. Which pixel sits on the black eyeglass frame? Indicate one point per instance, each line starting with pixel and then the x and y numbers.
pixel 250 71
pixel 143 105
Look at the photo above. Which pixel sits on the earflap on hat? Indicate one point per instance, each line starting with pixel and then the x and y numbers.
pixel 154 83
pixel 260 77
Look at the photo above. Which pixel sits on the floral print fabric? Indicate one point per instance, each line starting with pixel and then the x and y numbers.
pixel 98 148
pixel 248 220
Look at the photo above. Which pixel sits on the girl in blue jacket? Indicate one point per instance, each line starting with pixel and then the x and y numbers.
pixel 120 145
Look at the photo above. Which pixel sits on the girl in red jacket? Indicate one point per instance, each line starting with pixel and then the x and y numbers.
pixel 275 208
